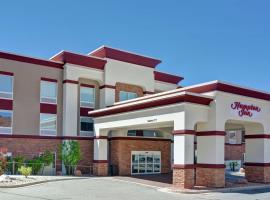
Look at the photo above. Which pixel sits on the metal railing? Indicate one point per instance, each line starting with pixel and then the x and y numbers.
pixel 12 168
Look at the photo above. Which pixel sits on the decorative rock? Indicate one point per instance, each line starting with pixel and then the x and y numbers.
pixel 78 173
pixel 5 178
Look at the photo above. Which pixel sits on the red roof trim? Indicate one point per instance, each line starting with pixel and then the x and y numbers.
pixel 167 78
pixel 124 56
pixel 26 59
pixel 155 103
pixel 6 73
pixel 209 88
pixel 230 89
pixel 78 59
pixel 84 111
pixel 183 166
pixel 47 137
pixel 212 166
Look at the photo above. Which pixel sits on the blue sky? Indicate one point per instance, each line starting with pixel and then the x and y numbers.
pixel 205 40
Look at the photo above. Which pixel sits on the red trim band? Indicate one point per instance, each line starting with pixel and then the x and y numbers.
pixel 213 166
pixel 78 59
pixel 140 138
pixel 258 136
pixel 148 92
pixel 87 85
pixel 26 59
pixel 234 144
pixel 183 166
pixel 107 86
pixel 211 133
pixel 6 104
pixel 100 137
pixel 7 73
pixel 183 132
pixel 48 108
pixel 70 81
pixel 257 164
pixel 84 111
pixel 100 161
pixel 154 103
pixel 49 79
pixel 116 54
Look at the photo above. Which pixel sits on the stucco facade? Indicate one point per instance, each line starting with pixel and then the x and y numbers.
pixel 159 127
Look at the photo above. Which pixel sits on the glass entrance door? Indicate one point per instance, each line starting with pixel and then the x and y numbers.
pixel 145 162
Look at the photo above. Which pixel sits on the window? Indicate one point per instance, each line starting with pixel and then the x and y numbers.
pixel 86 126
pixel 123 96
pixel 48 124
pixel 145 162
pixel 6 86
pixel 5 122
pixel 87 97
pixel 48 92
pixel 144 133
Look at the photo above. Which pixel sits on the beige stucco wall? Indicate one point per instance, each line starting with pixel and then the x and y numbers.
pixel 26 94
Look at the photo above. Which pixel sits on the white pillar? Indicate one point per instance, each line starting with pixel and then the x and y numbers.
pixel 70 108
pixel 107 96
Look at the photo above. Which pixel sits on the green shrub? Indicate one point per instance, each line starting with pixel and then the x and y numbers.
pixel 25 171
pixel 19 161
pixel 35 164
pixel 3 164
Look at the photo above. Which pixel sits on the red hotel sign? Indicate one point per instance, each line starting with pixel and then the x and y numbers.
pixel 245 109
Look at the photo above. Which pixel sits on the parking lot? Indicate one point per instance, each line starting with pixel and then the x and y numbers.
pixel 115 189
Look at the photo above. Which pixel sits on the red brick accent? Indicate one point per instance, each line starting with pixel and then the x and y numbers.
pixel 120 153
pixel 100 169
pixel 128 88
pixel 258 174
pixel 183 178
pixel 234 152
pixel 210 177
pixel 30 147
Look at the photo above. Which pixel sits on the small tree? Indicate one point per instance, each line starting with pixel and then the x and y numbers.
pixel 3 160
pixel 70 154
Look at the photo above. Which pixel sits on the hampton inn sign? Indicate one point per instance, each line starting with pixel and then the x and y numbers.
pixel 248 110
pixel 127 115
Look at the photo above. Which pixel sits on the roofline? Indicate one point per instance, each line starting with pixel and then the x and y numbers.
pixel 125 56
pixel 204 87
pixel 80 59
pixel 180 97
pixel 167 78
pixel 118 49
pixel 31 60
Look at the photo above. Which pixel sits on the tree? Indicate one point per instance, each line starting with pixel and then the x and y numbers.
pixel 70 154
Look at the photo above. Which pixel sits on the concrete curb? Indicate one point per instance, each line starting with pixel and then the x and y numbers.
pixel 40 182
pixel 224 190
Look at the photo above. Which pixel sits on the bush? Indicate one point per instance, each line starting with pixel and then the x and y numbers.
pixel 19 160
pixel 3 164
pixel 25 171
pixel 39 162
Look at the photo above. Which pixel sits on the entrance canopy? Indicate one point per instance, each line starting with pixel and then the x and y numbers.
pixel 203 111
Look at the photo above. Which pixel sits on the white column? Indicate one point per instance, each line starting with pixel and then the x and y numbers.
pixel 107 96
pixel 183 148
pixel 70 108
pixel 100 149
